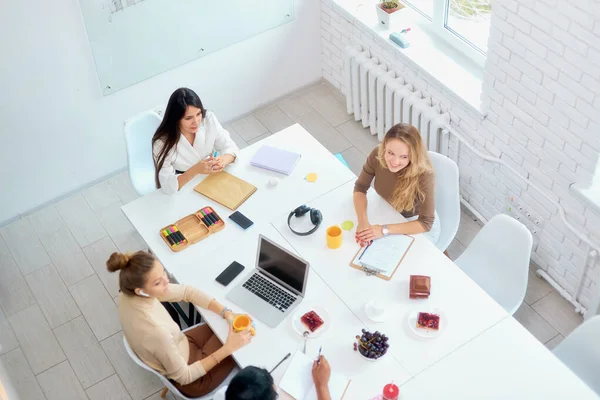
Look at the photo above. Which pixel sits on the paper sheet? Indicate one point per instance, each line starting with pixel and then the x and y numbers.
pixel 384 253
pixel 298 382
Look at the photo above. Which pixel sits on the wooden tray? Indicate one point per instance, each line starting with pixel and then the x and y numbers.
pixel 193 228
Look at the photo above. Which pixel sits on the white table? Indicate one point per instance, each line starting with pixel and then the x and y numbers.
pixel 156 210
pixel 479 349
pixel 270 345
pixel 469 310
pixel 505 362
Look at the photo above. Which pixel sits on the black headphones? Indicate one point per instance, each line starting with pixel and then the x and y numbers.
pixel 315 217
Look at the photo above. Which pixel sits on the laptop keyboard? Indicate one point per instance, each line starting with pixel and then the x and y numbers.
pixel 272 294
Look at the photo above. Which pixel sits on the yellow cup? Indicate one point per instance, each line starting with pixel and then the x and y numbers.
pixel 334 237
pixel 242 322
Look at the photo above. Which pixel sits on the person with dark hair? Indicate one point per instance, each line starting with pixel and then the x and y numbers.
pixel 254 383
pixel 195 361
pixel 185 141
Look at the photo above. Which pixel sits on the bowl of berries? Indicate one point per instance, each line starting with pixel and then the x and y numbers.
pixel 371 346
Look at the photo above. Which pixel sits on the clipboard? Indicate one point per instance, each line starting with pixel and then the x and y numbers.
pixel 374 271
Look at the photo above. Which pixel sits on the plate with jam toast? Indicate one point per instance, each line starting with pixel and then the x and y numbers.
pixel 429 323
pixel 312 319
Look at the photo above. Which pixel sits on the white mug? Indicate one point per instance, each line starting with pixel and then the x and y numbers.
pixel 377 308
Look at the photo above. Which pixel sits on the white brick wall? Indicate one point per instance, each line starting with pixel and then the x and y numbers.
pixel 541 95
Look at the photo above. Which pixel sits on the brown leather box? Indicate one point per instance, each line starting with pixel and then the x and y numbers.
pixel 420 287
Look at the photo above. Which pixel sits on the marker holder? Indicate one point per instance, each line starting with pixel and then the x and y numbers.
pixel 193 227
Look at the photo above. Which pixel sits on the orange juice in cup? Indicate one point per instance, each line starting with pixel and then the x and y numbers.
pixel 242 322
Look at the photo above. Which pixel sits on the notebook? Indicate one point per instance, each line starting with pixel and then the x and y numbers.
pixel 226 189
pixel 298 382
pixel 274 159
pixel 384 254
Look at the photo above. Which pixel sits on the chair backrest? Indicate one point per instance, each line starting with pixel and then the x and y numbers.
pixel 580 351
pixel 447 198
pixel 498 260
pixel 162 378
pixel 138 139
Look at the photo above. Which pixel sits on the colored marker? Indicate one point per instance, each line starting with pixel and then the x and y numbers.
pixel 171 240
pixel 179 237
pixel 213 217
pixel 207 221
pixel 200 215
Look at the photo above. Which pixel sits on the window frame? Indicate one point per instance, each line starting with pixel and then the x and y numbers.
pixel 437 26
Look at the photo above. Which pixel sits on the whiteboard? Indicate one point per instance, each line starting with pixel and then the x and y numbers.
pixel 133 40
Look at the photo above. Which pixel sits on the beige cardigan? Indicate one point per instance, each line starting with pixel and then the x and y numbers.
pixel 156 338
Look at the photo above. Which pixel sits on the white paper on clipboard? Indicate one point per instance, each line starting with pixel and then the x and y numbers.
pixel 384 253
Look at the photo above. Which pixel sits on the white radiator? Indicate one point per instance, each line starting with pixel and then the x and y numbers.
pixel 381 98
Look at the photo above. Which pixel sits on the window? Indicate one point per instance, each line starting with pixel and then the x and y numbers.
pixel 463 23
pixel 590 193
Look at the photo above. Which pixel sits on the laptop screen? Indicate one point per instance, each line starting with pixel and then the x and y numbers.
pixel 281 265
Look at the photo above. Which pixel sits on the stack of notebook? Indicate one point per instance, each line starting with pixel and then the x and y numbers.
pixel 276 160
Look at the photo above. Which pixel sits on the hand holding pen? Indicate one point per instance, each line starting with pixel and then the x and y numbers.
pixel 215 162
pixel 321 371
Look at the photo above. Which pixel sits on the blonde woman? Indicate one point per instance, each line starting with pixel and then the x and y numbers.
pixel 196 361
pixel 404 177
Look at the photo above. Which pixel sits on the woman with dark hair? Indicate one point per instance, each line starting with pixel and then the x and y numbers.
pixel 185 141
pixel 195 361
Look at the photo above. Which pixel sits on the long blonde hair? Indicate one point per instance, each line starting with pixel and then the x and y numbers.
pixel 407 179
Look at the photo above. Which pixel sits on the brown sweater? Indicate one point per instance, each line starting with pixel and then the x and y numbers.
pixel 156 338
pixel 385 185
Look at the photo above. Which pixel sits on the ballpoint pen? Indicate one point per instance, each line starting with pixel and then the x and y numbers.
pixel 319 357
pixel 279 363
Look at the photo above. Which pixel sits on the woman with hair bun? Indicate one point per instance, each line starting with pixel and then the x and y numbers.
pixel 195 360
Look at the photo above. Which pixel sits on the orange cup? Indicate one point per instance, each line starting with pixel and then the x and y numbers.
pixel 334 237
pixel 242 322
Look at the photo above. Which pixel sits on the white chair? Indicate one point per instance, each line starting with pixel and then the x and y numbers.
pixel 168 385
pixel 498 260
pixel 138 139
pixel 580 351
pixel 447 198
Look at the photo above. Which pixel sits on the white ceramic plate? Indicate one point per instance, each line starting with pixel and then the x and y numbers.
pixel 414 316
pixel 299 327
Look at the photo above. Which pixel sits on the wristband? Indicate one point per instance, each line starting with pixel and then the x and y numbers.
pixel 224 311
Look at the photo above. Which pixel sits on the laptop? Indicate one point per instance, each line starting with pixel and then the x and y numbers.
pixel 275 287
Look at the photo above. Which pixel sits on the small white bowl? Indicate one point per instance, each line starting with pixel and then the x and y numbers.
pixel 367 358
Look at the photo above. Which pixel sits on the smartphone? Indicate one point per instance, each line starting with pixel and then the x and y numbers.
pixel 229 274
pixel 241 220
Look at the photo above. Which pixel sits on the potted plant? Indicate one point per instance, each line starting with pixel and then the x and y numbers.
pixel 387 11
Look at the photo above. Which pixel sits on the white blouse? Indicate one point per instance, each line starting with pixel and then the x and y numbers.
pixel 210 137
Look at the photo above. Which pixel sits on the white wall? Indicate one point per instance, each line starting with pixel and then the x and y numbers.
pixel 541 93
pixel 59 133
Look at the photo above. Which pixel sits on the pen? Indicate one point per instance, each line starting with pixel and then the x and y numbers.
pixel 363 253
pixel 279 363
pixel 319 357
pixel 215 154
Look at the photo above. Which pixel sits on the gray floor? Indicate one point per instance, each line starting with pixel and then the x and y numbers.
pixel 59 333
